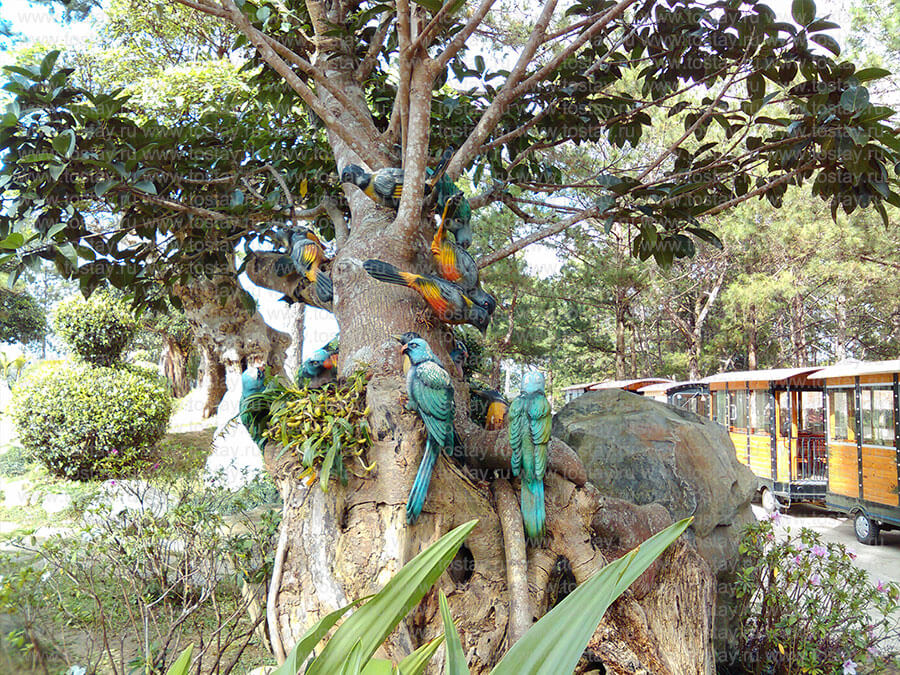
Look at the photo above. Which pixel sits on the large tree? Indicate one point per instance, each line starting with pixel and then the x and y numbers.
pixel 114 194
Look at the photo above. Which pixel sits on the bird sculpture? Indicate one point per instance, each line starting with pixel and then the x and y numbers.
pixel 455 264
pixel 492 408
pixel 447 300
pixel 306 256
pixel 459 356
pixel 253 409
pixel 460 216
pixel 529 437
pixel 406 364
pixel 321 367
pixel 385 186
pixel 431 396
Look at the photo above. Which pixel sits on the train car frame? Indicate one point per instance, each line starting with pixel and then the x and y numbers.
pixel 775 420
pixel 863 436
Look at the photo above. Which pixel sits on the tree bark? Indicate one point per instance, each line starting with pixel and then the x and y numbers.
pixel 174 367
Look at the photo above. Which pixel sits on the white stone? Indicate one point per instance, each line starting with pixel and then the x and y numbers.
pixel 54 503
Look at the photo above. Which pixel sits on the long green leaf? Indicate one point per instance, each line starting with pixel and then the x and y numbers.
pixel 374 621
pixel 455 661
pixel 301 651
pixel 415 663
pixel 353 664
pixel 555 643
pixel 180 667
pixel 378 667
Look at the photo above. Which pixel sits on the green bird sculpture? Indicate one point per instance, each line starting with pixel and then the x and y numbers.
pixel 529 437
pixel 253 408
pixel 431 396
pixel 459 220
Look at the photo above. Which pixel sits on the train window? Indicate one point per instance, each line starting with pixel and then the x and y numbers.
pixel 760 412
pixel 784 413
pixel 877 412
pixel 720 407
pixel 738 408
pixel 812 418
pixel 843 414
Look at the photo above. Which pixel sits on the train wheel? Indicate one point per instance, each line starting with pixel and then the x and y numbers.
pixel 866 529
pixel 768 501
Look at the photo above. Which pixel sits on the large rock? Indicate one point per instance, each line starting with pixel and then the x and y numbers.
pixel 647 452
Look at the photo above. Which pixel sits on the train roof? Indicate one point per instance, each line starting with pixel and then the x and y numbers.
pixel 854 368
pixel 770 375
pixel 666 387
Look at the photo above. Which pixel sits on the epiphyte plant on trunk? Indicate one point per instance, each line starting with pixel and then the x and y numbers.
pixel 552 646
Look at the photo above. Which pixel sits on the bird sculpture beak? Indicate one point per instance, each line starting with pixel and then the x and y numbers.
pixel 398 338
pixel 328 363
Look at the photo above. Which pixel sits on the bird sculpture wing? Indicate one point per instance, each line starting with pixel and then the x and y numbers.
pixel 388 184
pixel 517 417
pixel 540 422
pixel 432 393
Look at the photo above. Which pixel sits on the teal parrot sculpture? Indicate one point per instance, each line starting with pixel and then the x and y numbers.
pixel 321 366
pixel 431 396
pixel 529 436
pixel 252 409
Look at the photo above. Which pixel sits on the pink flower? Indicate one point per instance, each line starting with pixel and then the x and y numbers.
pixel 880 587
pixel 155 466
pixel 873 650
pixel 818 550
pixel 849 667
pixel 815 580
pixel 114 452
pixel 798 559
pixel 851 553
pixel 775 517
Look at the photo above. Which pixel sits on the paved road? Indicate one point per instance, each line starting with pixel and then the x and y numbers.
pixel 881 562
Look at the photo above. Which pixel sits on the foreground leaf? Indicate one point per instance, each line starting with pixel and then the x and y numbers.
pixel 374 621
pixel 554 644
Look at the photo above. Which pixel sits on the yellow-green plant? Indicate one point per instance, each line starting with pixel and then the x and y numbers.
pixel 552 646
pixel 326 428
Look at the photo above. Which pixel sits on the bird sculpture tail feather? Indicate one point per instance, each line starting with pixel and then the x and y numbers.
pixel 324 287
pixel 533 511
pixel 420 486
pixel 385 272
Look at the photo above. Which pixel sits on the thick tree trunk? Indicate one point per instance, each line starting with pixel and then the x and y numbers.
pixel 174 367
pixel 212 378
pixel 294 356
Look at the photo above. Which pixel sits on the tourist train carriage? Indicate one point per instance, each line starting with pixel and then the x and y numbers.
pixel 777 423
pixel 573 391
pixel 863 443
pixel 692 396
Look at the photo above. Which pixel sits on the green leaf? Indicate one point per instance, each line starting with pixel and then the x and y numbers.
pixel 35 157
pixel 855 99
pixel 56 170
pixel 867 74
pixel 64 144
pixel 417 662
pixel 146 186
pixel 263 13
pixel 14 240
pixel 803 11
pixel 455 660
pixel 327 463
pixel 103 187
pixel 379 667
pixel 353 664
pixel 48 62
pixel 294 661
pixel 180 667
pixel 573 621
pixel 828 42
pixel 374 621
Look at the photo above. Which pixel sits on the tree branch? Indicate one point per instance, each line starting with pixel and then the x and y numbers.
pixel 521 615
pixel 460 38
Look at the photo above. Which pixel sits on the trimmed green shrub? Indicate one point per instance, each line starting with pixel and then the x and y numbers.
pixel 98 329
pixel 22 319
pixel 85 422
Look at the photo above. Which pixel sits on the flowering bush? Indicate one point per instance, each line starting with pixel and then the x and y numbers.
pixel 805 607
